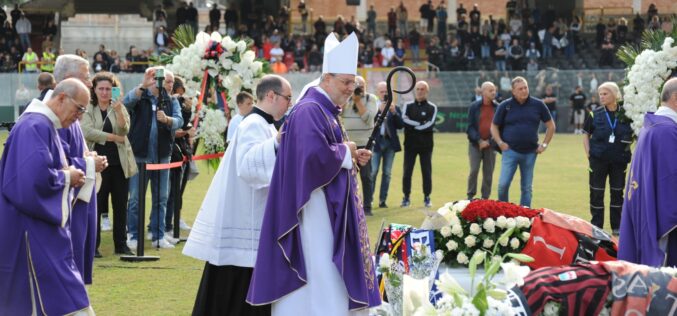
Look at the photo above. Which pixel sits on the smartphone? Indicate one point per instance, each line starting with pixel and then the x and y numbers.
pixel 115 93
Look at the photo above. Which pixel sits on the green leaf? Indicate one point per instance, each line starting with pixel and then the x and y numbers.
pixel 480 300
pixel 498 294
pixel 184 36
pixel 477 257
pixel 458 300
pixel 521 257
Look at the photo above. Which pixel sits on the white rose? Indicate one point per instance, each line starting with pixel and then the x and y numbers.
pixel 462 258
pixel 522 222
pixel 510 223
pixel 489 225
pixel 241 46
pixel 470 241
pixel 384 262
pixel 501 222
pixel 460 206
pixel 445 231
pixel 475 229
pixel 514 273
pixel 514 243
pixel 488 243
pixel 452 245
pixel 439 254
pixel 228 44
pixel 457 230
pixel 525 236
pixel 503 241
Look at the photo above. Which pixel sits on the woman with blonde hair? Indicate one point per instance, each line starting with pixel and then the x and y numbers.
pixel 607 143
pixel 105 126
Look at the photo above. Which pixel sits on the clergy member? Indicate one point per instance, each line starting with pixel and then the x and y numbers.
pixel 226 231
pixel 649 219
pixel 314 256
pixel 38 275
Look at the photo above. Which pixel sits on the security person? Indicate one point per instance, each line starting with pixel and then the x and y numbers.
pixel 607 144
pixel 419 119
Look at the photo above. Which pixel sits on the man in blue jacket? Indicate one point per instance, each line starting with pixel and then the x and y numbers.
pixel 480 115
pixel 387 144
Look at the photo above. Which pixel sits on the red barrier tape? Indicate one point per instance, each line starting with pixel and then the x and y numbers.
pixel 162 166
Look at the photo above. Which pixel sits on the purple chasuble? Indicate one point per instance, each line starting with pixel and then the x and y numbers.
pixel 309 157
pixel 84 217
pixel 650 206
pixel 37 259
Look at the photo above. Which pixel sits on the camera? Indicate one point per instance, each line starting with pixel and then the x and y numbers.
pixel 358 91
pixel 7 125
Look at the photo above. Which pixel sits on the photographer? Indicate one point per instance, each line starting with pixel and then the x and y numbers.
pixel 183 147
pixel 358 119
pixel 155 116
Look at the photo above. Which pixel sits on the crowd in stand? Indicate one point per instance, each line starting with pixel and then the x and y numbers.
pixel 521 41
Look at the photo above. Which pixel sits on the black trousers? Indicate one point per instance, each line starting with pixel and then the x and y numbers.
pixel 175 201
pixel 113 183
pixel 367 185
pixel 426 155
pixel 599 171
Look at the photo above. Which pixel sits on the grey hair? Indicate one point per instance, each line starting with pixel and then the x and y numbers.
pixel 669 89
pixel 268 83
pixel 68 66
pixel 518 79
pixel 71 87
pixel 613 88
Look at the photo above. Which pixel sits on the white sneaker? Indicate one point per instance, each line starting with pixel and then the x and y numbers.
pixel 132 244
pixel 183 225
pixel 170 238
pixel 149 236
pixel 105 223
pixel 162 243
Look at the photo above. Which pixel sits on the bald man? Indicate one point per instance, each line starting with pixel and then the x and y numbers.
pixel 648 220
pixel 419 120
pixel 480 114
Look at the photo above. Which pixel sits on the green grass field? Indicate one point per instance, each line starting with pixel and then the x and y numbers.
pixel 169 286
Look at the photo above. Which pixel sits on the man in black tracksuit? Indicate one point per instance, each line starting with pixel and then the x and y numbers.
pixel 419 120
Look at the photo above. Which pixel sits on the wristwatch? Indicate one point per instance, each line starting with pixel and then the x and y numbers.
pixel 545 145
pixel 142 89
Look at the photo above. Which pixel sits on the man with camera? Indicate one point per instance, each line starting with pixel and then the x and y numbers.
pixel 155 116
pixel 358 119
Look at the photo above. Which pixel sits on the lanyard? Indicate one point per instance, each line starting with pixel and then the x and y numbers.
pixel 613 126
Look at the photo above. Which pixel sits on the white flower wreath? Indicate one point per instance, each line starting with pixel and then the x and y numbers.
pixel 645 82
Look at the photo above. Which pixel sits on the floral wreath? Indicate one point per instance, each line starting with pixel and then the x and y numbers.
pixel 649 66
pixel 212 61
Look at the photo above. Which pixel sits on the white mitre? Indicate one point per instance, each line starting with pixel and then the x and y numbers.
pixel 339 58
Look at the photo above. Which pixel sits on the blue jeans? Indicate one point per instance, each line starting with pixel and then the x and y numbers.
pixel 25 40
pixel 388 156
pixel 485 51
pixel 526 162
pixel 500 65
pixel 414 52
pixel 547 51
pixel 159 181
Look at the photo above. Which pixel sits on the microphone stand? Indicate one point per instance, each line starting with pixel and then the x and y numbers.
pixel 382 115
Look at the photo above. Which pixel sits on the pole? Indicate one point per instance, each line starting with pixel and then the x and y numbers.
pixel 140 221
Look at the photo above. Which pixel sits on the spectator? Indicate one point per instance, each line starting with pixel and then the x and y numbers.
pixel 231 19
pixel 651 12
pixel 425 22
pixel 299 53
pixel 600 30
pixel 215 17
pixel 550 100
pixel 402 18
pixel 532 53
pixel 592 106
pixel 159 13
pixel 3 16
pixel 442 21
pixel 577 101
pixel 314 59
pixel 500 55
pixel 414 40
pixel 366 57
pixel 245 104
pixel 460 11
pixel 161 41
pixel 106 59
pixel 99 64
pixel 277 66
pixel 181 13
pixel 638 26
pixel 532 67
pixel 511 7
pixel 150 134
pixel 340 25
pixel 49 29
pixel 276 52
pixel 547 42
pixel 191 17
pixel 30 59
pixel 15 14
pixel 454 56
pixel 434 52
pixel 105 126
pixel 386 145
pixel 358 118
pixel 622 31
pixel 8 33
pixel 419 119
pixel 515 130
pixel 608 49
pixel 480 115
pixel 23 29
pixel 516 25
pixel 320 26
pixel 516 53
pixel 303 12
pixel 160 22
pixel 475 16
pixel 607 145
pixel 388 53
pixel 432 14
pixel 48 59
pixel 392 21
pixel 8 64
pixel 655 23
pixel 371 20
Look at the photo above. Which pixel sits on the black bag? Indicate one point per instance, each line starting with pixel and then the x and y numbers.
pixel 493 142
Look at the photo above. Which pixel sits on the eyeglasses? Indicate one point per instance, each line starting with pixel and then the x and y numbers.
pixel 81 109
pixel 288 97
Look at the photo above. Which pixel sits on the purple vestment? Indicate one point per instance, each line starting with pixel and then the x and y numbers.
pixel 310 156
pixel 84 217
pixel 36 258
pixel 650 206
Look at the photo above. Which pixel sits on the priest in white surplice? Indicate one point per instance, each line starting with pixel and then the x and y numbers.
pixel 227 227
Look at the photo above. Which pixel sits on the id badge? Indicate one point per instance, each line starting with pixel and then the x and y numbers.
pixel 155 109
pixel 612 138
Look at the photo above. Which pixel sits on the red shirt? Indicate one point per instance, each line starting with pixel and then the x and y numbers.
pixel 486 116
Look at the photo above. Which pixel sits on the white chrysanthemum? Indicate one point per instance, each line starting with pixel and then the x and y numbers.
pixel 501 222
pixel 445 231
pixel 462 258
pixel 488 243
pixel 514 243
pixel 470 241
pixel 452 245
pixel 475 229
pixel 489 225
